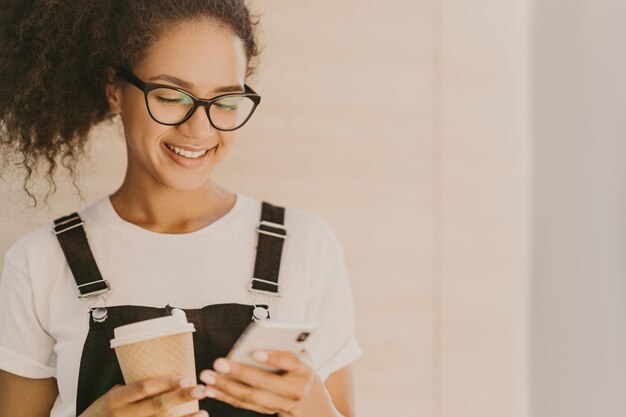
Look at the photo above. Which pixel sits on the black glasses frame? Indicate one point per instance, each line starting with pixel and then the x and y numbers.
pixel 197 102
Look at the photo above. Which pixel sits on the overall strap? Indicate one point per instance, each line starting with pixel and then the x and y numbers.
pixel 272 235
pixel 73 240
pixel 271 231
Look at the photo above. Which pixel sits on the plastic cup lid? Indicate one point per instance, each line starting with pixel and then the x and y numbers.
pixel 151 329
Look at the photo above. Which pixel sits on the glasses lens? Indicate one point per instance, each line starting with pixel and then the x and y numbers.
pixel 231 112
pixel 168 105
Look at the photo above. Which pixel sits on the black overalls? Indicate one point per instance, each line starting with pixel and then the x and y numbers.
pixel 217 326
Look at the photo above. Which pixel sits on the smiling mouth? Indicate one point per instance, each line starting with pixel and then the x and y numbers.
pixel 185 153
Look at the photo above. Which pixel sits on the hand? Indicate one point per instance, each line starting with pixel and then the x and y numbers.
pixel 289 393
pixel 147 398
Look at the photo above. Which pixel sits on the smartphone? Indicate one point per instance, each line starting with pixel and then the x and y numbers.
pixel 269 334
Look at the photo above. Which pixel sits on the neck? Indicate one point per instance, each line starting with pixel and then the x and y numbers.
pixel 166 210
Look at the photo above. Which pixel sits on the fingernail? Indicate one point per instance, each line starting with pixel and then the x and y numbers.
pixel 207 377
pixel 202 413
pixel 260 356
pixel 186 383
pixel 222 366
pixel 198 392
pixel 210 393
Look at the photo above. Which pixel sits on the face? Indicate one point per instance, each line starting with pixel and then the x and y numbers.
pixel 209 57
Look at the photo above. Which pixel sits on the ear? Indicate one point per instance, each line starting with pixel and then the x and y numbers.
pixel 113 92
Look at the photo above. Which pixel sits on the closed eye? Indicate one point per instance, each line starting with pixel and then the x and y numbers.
pixel 168 100
pixel 169 97
pixel 227 106
pixel 229 103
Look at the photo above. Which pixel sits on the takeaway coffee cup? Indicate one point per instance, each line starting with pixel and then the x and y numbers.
pixel 157 347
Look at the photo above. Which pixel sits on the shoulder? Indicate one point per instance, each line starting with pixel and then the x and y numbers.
pixel 309 231
pixel 311 224
pixel 38 244
pixel 38 247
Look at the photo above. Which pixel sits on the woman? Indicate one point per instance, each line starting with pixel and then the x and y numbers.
pixel 173 72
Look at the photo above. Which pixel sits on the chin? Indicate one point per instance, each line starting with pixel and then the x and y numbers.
pixel 186 184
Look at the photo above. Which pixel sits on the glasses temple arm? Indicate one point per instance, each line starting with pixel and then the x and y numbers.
pixel 130 77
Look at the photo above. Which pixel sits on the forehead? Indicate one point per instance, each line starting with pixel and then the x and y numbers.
pixel 204 53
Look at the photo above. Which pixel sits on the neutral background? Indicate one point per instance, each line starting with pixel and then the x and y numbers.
pixel 578 301
pixel 398 122
pixel 446 143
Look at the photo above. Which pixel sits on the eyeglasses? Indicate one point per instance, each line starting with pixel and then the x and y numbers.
pixel 172 106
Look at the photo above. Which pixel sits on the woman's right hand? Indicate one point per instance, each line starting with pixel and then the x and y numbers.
pixel 147 398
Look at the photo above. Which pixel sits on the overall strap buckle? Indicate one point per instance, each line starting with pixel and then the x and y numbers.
pixel 104 288
pixel 272 229
pixel 272 235
pixel 71 235
pixel 273 285
pixel 73 221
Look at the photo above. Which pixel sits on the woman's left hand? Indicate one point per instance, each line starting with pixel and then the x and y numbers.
pixel 295 392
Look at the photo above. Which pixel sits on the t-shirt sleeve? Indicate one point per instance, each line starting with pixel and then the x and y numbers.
pixel 26 349
pixel 333 344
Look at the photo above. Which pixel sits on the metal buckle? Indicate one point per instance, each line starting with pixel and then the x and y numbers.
pixel 275 226
pixel 99 314
pixel 65 229
pixel 97 292
pixel 260 313
pixel 273 294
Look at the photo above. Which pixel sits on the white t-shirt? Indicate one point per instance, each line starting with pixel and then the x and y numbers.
pixel 43 323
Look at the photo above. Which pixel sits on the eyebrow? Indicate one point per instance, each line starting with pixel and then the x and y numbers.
pixel 188 85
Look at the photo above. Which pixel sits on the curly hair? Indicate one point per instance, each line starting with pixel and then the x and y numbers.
pixel 53 60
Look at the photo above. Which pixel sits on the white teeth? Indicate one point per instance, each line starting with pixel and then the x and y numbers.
pixel 186 153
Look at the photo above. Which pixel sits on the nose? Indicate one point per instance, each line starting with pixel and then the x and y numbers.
pixel 198 125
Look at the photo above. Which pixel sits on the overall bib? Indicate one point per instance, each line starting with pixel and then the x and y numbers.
pixel 217 326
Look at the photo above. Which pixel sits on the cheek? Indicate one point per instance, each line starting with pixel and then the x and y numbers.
pixel 140 130
pixel 225 144
pixel 137 120
pixel 142 141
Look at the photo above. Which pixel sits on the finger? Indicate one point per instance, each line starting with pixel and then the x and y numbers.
pixel 246 394
pixel 236 402
pixel 165 401
pixel 286 361
pixel 306 358
pixel 287 385
pixel 201 413
pixel 139 390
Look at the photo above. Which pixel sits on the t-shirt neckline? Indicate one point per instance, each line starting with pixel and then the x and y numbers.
pixel 228 220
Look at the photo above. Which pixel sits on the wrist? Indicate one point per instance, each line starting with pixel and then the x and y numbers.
pixel 318 402
pixel 326 407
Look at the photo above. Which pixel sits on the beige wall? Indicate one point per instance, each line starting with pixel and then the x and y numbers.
pixel 402 123
pixel 482 206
